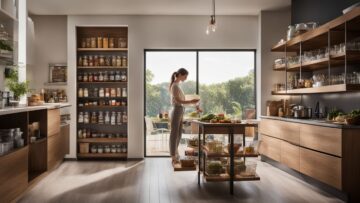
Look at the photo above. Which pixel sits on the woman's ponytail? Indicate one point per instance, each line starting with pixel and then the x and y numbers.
pixel 173 77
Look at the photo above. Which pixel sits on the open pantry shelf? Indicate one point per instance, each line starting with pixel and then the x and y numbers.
pixel 323 89
pixel 226 177
pixel 102 155
pixel 103 140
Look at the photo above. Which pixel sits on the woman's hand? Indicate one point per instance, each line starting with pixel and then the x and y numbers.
pixel 194 101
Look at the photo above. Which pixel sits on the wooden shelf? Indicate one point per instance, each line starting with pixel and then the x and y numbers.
pixel 225 154
pixel 43 139
pixel 311 65
pixel 103 140
pixel 226 177
pixel 102 98
pixel 97 83
pixel 103 67
pixel 55 83
pixel 102 49
pixel 102 155
pixel 107 125
pixel 101 107
pixel 321 90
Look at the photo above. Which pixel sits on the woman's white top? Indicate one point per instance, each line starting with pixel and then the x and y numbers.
pixel 177 95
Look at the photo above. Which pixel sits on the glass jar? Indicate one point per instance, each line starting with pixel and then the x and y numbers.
pixel 124 61
pixel 83 43
pixel 112 76
pixel 88 133
pixel 122 42
pixel 91 61
pixel 118 92
pixel 113 92
pixel 96 77
pixel 101 77
pixel 124 92
pixel 101 92
pixel 91 77
pixel 80 92
pixel 106 76
pixel 118 148
pixel 111 42
pixel 93 42
pixel 113 118
pixel 85 61
pixel 118 118
pixel 96 92
pixel 81 117
pixel 101 118
pixel 96 60
pixel 85 77
pixel 93 149
pixel 107 92
pixel 100 42
pixel 80 77
pixel 117 76
pixel 107 117
pixel 124 117
pixel 113 148
pixel 118 61
pixel 86 92
pixel 123 76
pixel 86 117
pixel 105 42
pixel 113 60
pixel 80 134
pixel 88 42
pixel 107 61
pixel 107 149
pixel 93 117
pixel 100 149
pixel 80 61
pixel 84 133
pixel 101 60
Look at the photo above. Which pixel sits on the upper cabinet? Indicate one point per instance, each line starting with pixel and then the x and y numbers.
pixel 323 60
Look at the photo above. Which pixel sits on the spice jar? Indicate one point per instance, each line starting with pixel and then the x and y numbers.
pixel 96 77
pixel 88 133
pixel 96 92
pixel 81 117
pixel 113 92
pixel 80 92
pixel 91 61
pixel 85 61
pixel 107 92
pixel 80 61
pixel 124 92
pixel 124 117
pixel 101 77
pixel 107 117
pixel 96 60
pixel 107 149
pixel 106 76
pixel 93 149
pixel 123 77
pixel 118 149
pixel 108 61
pixel 113 118
pixel 124 61
pixel 90 77
pixel 86 92
pixel 85 77
pixel 88 42
pixel 118 118
pixel 117 76
pixel 93 42
pixel 84 133
pixel 100 149
pixel 118 92
pixel 80 77
pixel 101 92
pixel 111 42
pixel 86 117
pixel 113 148
pixel 83 43
pixel 101 60
pixel 122 43
pixel 112 76
pixel 118 61
pixel 101 118
pixel 105 42
pixel 113 60
pixel 80 134
pixel 100 42
pixel 93 117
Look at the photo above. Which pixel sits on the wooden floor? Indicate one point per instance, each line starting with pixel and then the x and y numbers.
pixel 153 181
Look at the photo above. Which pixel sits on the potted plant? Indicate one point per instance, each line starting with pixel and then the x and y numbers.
pixel 18 88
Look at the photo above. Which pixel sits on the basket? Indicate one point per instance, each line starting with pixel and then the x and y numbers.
pixel 84 148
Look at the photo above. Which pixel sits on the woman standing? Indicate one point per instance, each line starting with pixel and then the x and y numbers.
pixel 177 101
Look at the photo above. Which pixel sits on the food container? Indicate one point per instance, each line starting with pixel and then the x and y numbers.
pixel 100 150
pixel 250 169
pixel 239 166
pixel 84 148
pixel 214 168
pixel 236 148
pixel 93 149
pixel 107 149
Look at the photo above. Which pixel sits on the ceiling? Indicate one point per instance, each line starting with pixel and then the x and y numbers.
pixel 152 7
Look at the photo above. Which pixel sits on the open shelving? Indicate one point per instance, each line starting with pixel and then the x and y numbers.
pixel 121 128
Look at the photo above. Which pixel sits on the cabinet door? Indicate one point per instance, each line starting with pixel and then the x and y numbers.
pixel 13 174
pixel 322 167
pixel 53 122
pixel 290 155
pixel 284 130
pixel 323 139
pixel 55 154
pixel 65 139
pixel 270 147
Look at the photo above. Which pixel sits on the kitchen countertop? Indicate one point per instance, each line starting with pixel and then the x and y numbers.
pixel 317 122
pixel 12 110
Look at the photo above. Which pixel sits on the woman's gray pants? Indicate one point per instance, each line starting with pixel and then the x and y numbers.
pixel 176 128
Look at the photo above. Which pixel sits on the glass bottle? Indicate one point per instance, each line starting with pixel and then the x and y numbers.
pixel 113 60
pixel 107 61
pixel 96 92
pixel 124 117
pixel 80 92
pixel 107 117
pixel 85 61
pixel 106 76
pixel 124 61
pixel 123 77
pixel 84 133
pixel 85 77
pixel 88 133
pixel 81 117
pixel 118 92
pixel 83 43
pixel 124 92
pixel 80 61
pixel 107 92
pixel 86 117
pixel 105 42
pixel 96 77
pixel 80 133
pixel 93 117
pixel 96 60
pixel 117 76
pixel 88 42
pixel 111 42
pixel 118 61
pixel 101 77
pixel 91 61
pixel 93 42
pixel 112 76
pixel 101 92
pixel 101 118
pixel 101 60
pixel 113 92
pixel 118 118
pixel 91 77
pixel 113 118
pixel 86 92
pixel 100 42
pixel 80 77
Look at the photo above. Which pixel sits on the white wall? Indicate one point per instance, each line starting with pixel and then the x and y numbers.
pixel 157 32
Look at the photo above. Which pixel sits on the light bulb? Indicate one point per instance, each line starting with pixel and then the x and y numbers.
pixel 207 30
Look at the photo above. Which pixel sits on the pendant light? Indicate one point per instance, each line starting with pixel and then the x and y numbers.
pixel 212 24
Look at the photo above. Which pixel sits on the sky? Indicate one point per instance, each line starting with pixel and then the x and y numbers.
pixel 214 66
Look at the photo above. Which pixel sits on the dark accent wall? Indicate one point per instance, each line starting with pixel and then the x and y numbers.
pixel 320 11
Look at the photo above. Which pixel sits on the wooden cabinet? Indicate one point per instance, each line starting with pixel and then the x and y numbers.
pixel 290 155
pixel 55 151
pixel 323 139
pixel 270 147
pixel 322 167
pixel 53 122
pixel 65 138
pixel 284 130
pixel 13 174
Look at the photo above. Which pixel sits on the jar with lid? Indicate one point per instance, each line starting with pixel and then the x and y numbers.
pixel 113 92
pixel 113 102
pixel 91 77
pixel 113 118
pixel 96 77
pixel 93 117
pixel 107 149
pixel 106 76
pixel 101 118
pixel 93 42
pixel 80 92
pixel 117 76
pixel 113 60
pixel 85 77
pixel 123 103
pixel 108 61
pixel 100 149
pixel 84 133
pixel 99 42
pixel 123 76
pixel 124 61
pixel 107 92
pixel 86 117
pixel 101 92
pixel 122 42
pixel 111 42
pixel 80 61
pixel 123 149
pixel 105 42
pixel 101 60
pixel 81 117
pixel 112 76
pixel 107 117
pixel 93 149
pixel 91 61
pixel 88 133
pixel 101 77
pixel 96 92
pixel 118 61
pixel 96 60
pixel 86 92
pixel 80 77
pixel 85 61
pixel 124 117
pixel 118 92
pixel 83 43
pixel 118 118
pixel 79 133
pixel 118 148
pixel 88 42
pixel 124 92
pixel 113 148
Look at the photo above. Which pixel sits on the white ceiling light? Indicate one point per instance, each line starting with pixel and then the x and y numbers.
pixel 212 23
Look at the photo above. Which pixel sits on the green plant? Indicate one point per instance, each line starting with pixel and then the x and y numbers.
pixel 5 46
pixel 18 88
pixel 237 108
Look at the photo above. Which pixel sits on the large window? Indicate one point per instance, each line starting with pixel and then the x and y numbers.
pixel 225 80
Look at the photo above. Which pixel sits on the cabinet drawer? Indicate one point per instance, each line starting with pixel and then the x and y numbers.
pixel 53 122
pixel 322 167
pixel 321 139
pixel 270 147
pixel 65 138
pixel 285 130
pixel 290 155
pixel 55 151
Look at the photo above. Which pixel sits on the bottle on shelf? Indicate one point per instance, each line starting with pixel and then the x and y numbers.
pixel 101 118
pixel 113 118
pixel 124 117
pixel 124 92
pixel 118 118
pixel 81 117
pixel 107 117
